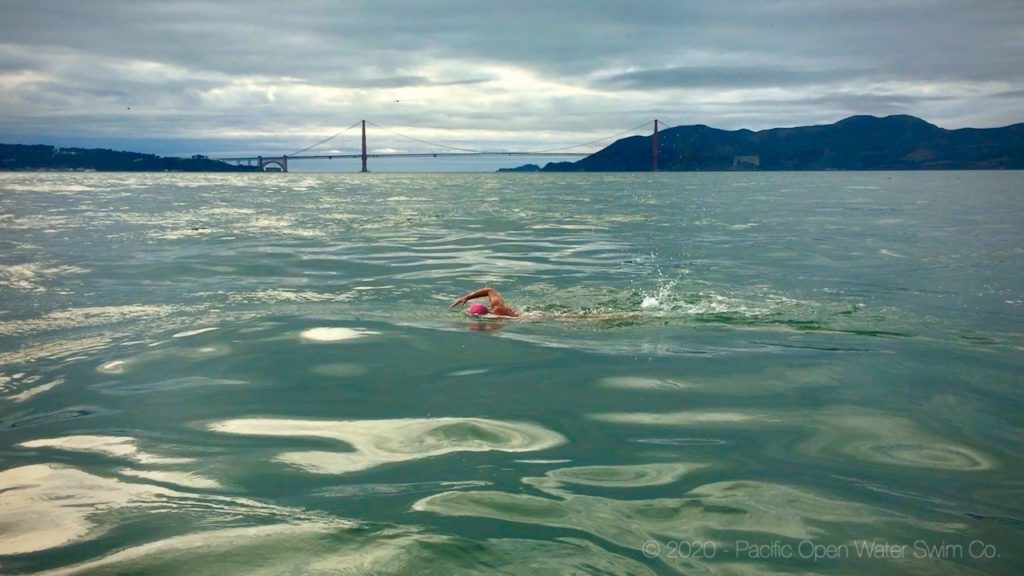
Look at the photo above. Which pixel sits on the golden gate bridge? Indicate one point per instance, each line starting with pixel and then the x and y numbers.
pixel 387 143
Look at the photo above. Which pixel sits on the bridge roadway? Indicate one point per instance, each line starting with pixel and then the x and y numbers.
pixel 399 155
pixel 282 161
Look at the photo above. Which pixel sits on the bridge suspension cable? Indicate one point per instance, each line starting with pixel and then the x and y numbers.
pixel 428 143
pixel 348 144
pixel 609 139
pixel 328 139
pixel 391 146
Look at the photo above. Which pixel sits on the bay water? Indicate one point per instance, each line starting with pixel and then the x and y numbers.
pixel 731 373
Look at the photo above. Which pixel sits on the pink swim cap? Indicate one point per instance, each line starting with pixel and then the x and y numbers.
pixel 478 309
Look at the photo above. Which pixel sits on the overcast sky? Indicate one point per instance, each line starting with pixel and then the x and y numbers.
pixel 222 76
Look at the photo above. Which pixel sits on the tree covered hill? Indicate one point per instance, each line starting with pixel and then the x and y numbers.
pixel 42 157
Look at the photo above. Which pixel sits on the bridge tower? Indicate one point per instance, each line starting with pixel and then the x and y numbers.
pixel 654 148
pixel 364 148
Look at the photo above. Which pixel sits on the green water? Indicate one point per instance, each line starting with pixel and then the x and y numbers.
pixel 725 374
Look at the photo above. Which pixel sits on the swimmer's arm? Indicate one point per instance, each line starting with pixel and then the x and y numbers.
pixel 492 295
pixel 471 295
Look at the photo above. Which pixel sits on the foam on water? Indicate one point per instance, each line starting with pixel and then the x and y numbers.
pixel 45 506
pixel 194 332
pixel 337 334
pixel 684 418
pixel 643 383
pixel 116 446
pixel 377 442
pixel 112 367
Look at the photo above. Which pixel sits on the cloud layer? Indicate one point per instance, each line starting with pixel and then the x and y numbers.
pixel 249 77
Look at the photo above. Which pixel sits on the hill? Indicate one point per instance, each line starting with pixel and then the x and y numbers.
pixel 41 157
pixel 856 143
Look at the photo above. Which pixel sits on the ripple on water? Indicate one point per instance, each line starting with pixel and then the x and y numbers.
pixel 377 442
pixel 320 548
pixel 341 369
pixel 628 476
pixel 46 418
pixel 929 456
pixel 620 476
pixel 702 514
pixel 286 295
pixel 369 490
pixel 720 513
pixel 771 380
pixel 835 433
pixel 34 276
pixel 184 479
pixel 90 316
pixel 885 439
pixel 175 384
pixel 160 354
pixel 63 349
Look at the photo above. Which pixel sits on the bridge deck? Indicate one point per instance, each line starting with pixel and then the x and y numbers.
pixel 399 155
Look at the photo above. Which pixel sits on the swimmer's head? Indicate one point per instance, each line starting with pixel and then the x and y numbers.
pixel 477 309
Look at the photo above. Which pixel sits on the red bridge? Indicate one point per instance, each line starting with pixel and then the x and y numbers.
pixel 391 144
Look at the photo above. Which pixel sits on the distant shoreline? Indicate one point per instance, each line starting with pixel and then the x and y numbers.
pixel 45 158
pixel 855 144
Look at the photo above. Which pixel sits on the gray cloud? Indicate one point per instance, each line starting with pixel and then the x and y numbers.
pixel 200 69
pixel 723 77
pixel 411 81
pixel 1009 94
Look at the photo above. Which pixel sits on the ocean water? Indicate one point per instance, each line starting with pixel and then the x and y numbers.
pixel 730 373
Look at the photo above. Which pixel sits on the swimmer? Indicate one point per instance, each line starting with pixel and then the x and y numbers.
pixel 498 305
pixel 498 308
